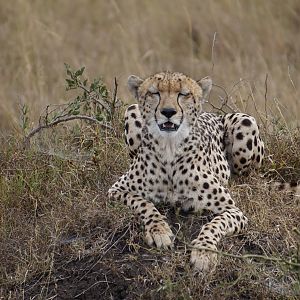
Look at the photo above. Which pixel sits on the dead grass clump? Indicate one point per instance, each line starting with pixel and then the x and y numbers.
pixel 60 235
pixel 284 163
pixel 48 203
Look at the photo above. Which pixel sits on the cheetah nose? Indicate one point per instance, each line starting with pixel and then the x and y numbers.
pixel 168 112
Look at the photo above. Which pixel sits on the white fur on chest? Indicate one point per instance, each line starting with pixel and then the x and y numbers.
pixel 169 147
pixel 169 142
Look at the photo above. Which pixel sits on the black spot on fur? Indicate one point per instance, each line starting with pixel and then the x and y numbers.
pixel 131 107
pixel 249 144
pixel 246 122
pixel 138 124
pixel 163 170
pixel 239 136
pixel 205 185
pixel 243 160
pixel 255 141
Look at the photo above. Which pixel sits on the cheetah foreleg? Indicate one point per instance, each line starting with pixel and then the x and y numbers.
pixel 229 222
pixel 157 230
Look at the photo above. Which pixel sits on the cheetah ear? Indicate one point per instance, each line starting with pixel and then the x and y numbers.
pixel 134 83
pixel 206 85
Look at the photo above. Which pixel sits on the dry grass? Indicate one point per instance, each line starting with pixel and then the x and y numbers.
pixel 60 237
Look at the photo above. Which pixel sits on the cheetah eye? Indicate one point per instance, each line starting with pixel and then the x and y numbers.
pixel 154 93
pixel 184 94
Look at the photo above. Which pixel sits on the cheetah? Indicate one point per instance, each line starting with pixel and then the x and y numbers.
pixel 184 156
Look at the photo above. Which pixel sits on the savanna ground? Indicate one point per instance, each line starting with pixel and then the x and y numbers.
pixel 60 236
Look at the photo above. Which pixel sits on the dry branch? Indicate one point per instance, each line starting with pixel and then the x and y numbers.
pixel 62 120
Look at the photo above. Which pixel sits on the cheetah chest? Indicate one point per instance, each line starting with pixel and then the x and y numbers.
pixel 175 177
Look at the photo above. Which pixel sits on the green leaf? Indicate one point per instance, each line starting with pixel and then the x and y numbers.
pixel 75 112
pixel 68 69
pixel 99 117
pixel 95 84
pixel 70 82
pixel 79 72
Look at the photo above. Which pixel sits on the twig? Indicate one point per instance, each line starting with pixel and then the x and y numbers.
pixel 278 104
pixel 83 87
pixel 251 95
pixel 115 91
pixel 102 103
pixel 290 77
pixel 61 120
pixel 114 97
pixel 95 283
pixel 212 53
pixel 266 99
pixel 242 80
pixel 46 116
pixel 93 98
pixel 224 101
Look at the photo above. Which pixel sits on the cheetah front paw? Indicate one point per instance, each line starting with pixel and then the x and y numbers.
pixel 203 261
pixel 159 233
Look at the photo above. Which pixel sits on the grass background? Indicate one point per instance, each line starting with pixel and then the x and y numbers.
pixel 60 237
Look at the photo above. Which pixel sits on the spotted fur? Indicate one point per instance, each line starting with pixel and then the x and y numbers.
pixel 182 155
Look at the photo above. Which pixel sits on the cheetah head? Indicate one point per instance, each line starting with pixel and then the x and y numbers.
pixel 169 100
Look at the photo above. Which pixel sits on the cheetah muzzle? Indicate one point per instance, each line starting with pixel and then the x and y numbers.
pixel 168 126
